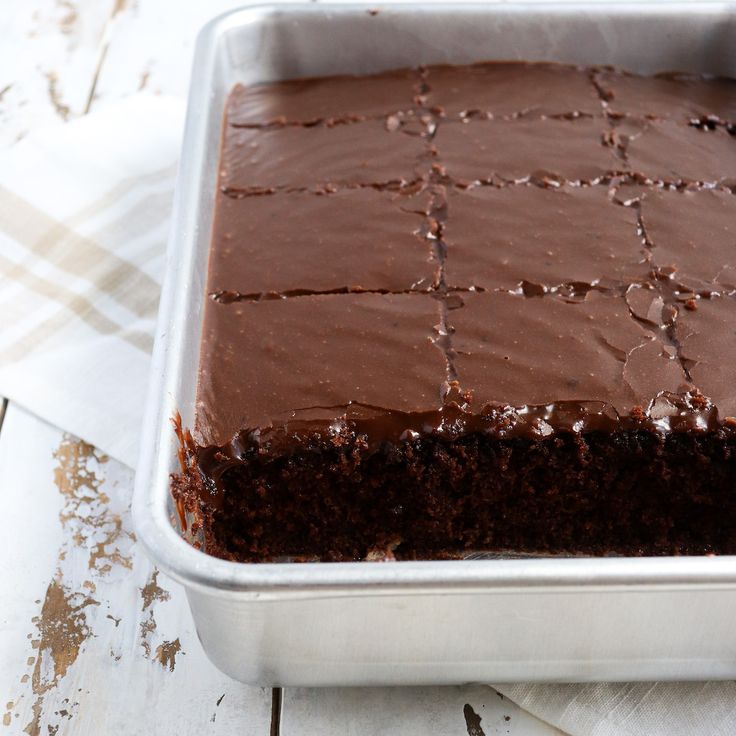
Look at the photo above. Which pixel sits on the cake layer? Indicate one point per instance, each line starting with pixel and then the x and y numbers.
pixel 462 309
pixel 589 493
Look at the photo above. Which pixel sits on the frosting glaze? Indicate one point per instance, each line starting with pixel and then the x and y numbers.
pixel 518 251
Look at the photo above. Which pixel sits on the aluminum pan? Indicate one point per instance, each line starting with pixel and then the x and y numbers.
pixel 262 43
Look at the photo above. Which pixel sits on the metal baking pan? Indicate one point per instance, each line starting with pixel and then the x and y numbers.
pixel 420 622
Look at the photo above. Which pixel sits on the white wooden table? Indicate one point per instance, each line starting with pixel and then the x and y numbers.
pixel 93 640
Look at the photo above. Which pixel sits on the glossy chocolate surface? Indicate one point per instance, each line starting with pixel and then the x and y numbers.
pixel 591 350
pixel 504 89
pixel 498 249
pixel 507 151
pixel 708 338
pixel 320 100
pixel 693 235
pixel 678 97
pixel 674 153
pixel 280 244
pixel 366 153
pixel 529 236
pixel 313 355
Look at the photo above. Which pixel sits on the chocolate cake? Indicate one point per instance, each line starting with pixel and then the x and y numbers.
pixel 470 309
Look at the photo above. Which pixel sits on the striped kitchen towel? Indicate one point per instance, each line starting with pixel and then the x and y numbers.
pixel 632 708
pixel 84 218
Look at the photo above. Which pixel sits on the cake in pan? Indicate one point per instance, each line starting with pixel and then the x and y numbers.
pixel 462 309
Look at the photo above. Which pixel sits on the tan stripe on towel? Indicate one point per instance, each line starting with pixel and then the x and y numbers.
pixel 76 254
pixel 120 190
pixel 75 304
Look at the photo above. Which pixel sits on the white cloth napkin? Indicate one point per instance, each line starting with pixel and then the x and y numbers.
pixel 632 709
pixel 84 217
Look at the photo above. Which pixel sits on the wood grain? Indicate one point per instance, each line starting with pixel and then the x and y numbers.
pixel 476 710
pixel 152 45
pixel 48 58
pixel 94 640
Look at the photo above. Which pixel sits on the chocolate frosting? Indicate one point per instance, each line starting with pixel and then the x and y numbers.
pixel 504 89
pixel 517 237
pixel 518 249
pixel 276 358
pixel 693 235
pixel 708 345
pixel 267 244
pixel 591 350
pixel 516 150
pixel 678 97
pixel 323 99
pixel 669 152
pixel 372 152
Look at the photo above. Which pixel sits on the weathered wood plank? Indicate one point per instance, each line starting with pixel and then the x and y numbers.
pixel 48 58
pixel 93 639
pixel 476 710
pixel 151 47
